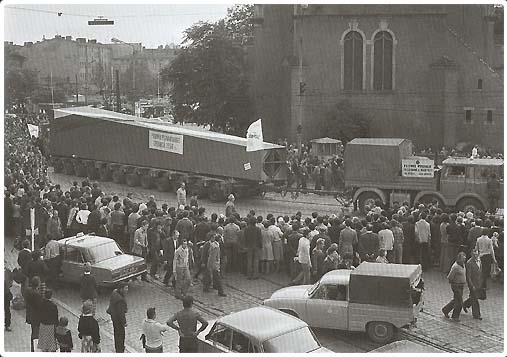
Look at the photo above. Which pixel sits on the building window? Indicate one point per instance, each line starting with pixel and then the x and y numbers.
pixel 383 61
pixel 468 116
pixel 353 61
pixel 479 83
pixel 489 116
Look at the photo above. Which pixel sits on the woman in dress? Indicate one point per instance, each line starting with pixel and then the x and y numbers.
pixel 88 329
pixel 267 249
pixel 48 322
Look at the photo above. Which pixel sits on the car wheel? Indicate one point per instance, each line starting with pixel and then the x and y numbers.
pixel 380 332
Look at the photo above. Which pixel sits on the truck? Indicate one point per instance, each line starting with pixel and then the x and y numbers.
pixel 385 170
pixel 100 144
pixel 374 298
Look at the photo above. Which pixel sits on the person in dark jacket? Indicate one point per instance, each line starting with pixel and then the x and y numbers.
pixel 63 335
pixel 318 257
pixel 155 236
pixel 117 309
pixel 94 220
pixel 88 286
pixel 474 282
pixel 7 303
pixel 368 245
pixel 88 329
pixel 24 255
pixel 455 236
pixel 408 228
pixel 33 303
pixel 253 244
pixel 37 267
pixel 169 246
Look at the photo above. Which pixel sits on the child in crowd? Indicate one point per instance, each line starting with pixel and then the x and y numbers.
pixel 382 257
pixel 63 335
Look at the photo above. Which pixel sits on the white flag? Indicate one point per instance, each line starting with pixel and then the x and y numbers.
pixel 34 130
pixel 254 139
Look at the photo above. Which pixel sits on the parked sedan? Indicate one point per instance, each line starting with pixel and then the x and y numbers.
pixel 259 330
pixel 108 262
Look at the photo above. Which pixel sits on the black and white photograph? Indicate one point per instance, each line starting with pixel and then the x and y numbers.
pixel 222 177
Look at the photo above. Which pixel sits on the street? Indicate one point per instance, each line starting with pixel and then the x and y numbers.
pixel 432 329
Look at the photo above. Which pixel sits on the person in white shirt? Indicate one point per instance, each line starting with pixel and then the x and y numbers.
pixel 386 241
pixel 422 239
pixel 181 195
pixel 82 217
pixel 153 332
pixel 484 245
pixel 305 261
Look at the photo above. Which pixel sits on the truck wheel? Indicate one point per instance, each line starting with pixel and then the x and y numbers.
pixel 118 176
pixel 380 332
pixel 470 203
pixel 147 181
pixel 367 199
pixel 132 180
pixel 104 174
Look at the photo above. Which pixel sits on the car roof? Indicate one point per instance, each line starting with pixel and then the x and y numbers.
pixel 85 241
pixel 339 276
pixel 472 162
pixel 262 323
pixel 389 270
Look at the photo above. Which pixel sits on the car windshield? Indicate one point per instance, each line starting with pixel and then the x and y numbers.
pixel 104 251
pixel 313 288
pixel 298 341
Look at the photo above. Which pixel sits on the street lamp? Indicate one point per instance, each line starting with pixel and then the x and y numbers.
pixel 115 40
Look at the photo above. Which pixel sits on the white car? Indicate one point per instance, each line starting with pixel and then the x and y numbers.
pixel 259 330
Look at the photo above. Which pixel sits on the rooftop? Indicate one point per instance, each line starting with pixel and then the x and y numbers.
pixel 388 270
pixel 262 323
pixel 156 125
pixel 86 241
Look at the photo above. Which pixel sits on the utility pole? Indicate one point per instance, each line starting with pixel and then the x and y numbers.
pixel 86 73
pixel 302 84
pixel 118 101
pixel 77 92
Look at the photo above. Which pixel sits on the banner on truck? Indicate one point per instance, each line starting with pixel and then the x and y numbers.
pixel 166 142
pixel 417 167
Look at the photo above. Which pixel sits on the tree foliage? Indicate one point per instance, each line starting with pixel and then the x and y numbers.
pixel 19 83
pixel 345 122
pixel 209 75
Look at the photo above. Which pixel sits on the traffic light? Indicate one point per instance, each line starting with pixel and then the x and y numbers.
pixel 101 21
pixel 302 88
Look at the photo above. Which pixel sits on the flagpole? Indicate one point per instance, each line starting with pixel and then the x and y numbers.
pixel 52 94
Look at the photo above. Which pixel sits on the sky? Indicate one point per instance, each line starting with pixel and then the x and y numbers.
pixel 151 24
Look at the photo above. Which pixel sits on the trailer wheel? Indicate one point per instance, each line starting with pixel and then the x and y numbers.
pixel 367 199
pixel 380 332
pixel 118 176
pixel 58 167
pixel 215 194
pixel 105 174
pixel 466 204
pixel 91 172
pixel 147 181
pixel 68 168
pixel 132 180
pixel 80 170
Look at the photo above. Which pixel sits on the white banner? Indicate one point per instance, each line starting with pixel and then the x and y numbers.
pixel 254 136
pixel 34 130
pixel 166 142
pixel 417 167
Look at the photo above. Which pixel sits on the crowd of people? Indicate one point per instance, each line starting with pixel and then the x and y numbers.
pixel 182 242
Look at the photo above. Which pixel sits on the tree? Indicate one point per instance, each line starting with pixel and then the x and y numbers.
pixel 346 122
pixel 209 75
pixel 19 83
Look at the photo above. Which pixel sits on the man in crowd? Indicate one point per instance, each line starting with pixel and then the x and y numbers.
pixel 474 282
pixel 422 239
pixel 155 236
pixel 181 195
pixel 187 326
pixel 118 309
pixel 212 261
pixel 457 280
pixel 253 243
pixel 183 260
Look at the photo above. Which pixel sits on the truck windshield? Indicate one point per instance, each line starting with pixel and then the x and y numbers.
pixel 104 251
pixel 298 341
